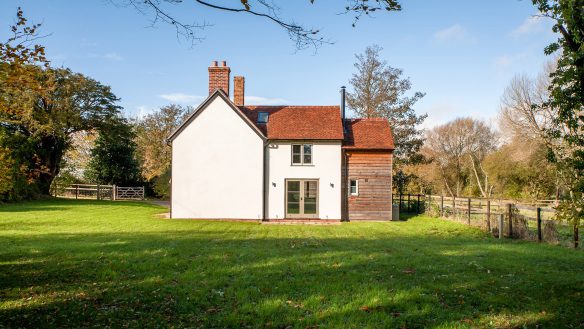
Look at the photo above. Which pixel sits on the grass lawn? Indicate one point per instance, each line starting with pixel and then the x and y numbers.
pixel 67 263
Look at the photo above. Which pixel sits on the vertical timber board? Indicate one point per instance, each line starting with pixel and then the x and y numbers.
pixel 373 170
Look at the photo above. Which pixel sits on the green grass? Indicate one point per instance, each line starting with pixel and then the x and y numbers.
pixel 67 263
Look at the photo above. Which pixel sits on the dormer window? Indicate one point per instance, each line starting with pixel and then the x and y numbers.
pixel 263 117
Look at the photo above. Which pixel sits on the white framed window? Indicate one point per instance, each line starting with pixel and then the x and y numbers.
pixel 263 117
pixel 301 154
pixel 354 187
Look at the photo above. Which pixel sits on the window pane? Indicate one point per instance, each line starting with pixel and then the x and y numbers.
pixel 308 159
pixel 296 149
pixel 293 208
pixel 307 149
pixel 262 117
pixel 293 186
pixel 310 208
pixel 296 158
pixel 293 197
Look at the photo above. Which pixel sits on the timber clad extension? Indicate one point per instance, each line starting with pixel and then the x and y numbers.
pixel 372 171
pixel 368 157
pixel 235 161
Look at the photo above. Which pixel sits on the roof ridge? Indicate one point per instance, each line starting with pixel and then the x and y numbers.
pixel 290 106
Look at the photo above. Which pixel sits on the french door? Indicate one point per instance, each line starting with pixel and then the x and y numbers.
pixel 301 198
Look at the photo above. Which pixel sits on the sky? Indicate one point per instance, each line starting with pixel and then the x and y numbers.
pixel 461 53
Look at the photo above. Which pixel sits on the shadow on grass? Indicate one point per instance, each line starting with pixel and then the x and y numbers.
pixel 231 276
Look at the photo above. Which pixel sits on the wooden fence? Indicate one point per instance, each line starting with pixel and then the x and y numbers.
pixel 98 192
pixel 530 220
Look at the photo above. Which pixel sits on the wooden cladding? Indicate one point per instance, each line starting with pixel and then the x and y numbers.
pixel 373 171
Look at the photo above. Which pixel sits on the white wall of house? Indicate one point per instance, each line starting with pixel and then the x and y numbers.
pixel 217 165
pixel 326 168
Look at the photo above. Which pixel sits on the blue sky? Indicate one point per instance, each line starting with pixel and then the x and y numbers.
pixel 462 54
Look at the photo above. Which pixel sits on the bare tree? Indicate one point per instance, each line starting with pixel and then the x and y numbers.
pixel 457 149
pixel 303 37
pixel 522 114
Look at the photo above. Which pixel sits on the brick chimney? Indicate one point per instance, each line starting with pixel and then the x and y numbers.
pixel 238 90
pixel 219 77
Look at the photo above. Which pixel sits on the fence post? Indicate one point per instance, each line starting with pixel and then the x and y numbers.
pixel 97 197
pixel 409 203
pixel 442 206
pixel 501 216
pixel 143 194
pixel 76 192
pixel 419 204
pixel 400 201
pixel 576 236
pixel 453 206
pixel 113 195
pixel 489 215
pixel 468 218
pixel 538 215
pixel 510 211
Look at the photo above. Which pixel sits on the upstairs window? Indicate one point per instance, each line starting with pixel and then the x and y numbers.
pixel 301 154
pixel 354 187
pixel 263 117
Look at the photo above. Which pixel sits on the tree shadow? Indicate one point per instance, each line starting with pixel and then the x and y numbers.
pixel 232 275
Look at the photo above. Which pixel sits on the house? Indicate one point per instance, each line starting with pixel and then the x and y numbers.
pixel 232 161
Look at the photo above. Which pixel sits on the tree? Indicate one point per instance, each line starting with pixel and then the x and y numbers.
pixel 152 148
pixel 457 149
pixel 566 100
pixel 520 165
pixel 113 159
pixel 379 92
pixel 152 132
pixel 302 37
pixel 41 107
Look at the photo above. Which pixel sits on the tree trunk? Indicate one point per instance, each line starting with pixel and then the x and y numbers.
pixel 50 153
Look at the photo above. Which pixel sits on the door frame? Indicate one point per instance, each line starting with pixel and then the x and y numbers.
pixel 301 203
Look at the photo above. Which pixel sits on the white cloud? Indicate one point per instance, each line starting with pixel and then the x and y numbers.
pixel 530 25
pixel 87 43
pixel 113 56
pixel 181 98
pixel 505 61
pixel 258 100
pixel 452 33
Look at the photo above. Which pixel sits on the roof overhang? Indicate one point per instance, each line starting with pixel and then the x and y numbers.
pixel 218 93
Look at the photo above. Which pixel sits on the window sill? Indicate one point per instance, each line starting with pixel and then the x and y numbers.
pixel 301 165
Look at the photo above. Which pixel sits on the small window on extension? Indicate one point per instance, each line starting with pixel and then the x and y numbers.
pixel 262 117
pixel 354 187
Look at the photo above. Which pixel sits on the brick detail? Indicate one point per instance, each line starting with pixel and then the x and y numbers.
pixel 238 90
pixel 219 77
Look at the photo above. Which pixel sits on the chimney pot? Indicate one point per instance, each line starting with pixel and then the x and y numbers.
pixel 219 77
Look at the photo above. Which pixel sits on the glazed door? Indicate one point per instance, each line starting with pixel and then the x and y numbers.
pixel 302 198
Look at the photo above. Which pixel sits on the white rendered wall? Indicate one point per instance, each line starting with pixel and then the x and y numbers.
pixel 326 168
pixel 217 165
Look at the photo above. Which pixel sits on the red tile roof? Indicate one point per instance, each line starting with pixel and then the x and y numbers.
pixel 368 134
pixel 298 122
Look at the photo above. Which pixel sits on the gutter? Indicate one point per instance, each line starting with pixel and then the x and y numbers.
pixel 264 180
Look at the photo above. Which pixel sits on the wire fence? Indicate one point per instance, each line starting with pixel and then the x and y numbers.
pixel 527 220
